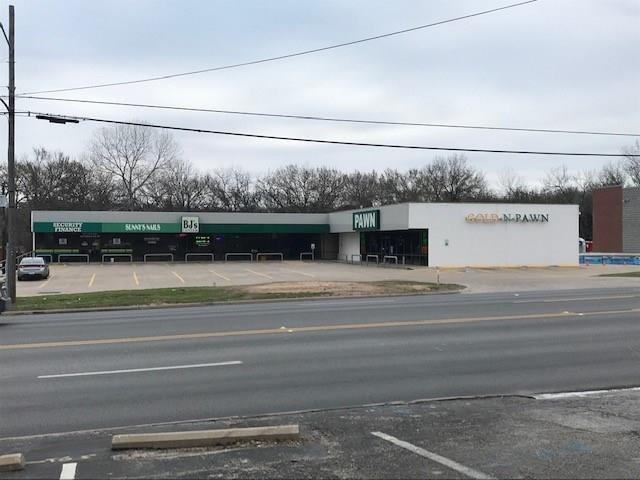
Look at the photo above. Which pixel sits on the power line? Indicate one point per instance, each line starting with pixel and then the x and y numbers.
pixel 285 56
pixel 330 142
pixel 329 119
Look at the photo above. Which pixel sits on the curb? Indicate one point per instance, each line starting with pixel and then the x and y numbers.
pixel 11 462
pixel 234 302
pixel 204 438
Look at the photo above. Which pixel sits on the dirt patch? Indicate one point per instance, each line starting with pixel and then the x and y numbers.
pixel 347 288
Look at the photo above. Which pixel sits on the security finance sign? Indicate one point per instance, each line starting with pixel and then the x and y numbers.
pixel 67 227
pixel 366 221
pixel 190 225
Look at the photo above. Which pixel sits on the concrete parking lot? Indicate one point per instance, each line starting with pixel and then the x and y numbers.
pixel 590 436
pixel 78 278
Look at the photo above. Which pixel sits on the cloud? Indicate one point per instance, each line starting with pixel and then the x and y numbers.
pixel 568 65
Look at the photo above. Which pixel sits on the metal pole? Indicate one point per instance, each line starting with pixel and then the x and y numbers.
pixel 11 167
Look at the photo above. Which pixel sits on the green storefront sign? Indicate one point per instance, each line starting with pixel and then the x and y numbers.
pixel 366 221
pixel 191 227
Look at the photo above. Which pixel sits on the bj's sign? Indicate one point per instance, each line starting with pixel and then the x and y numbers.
pixel 369 220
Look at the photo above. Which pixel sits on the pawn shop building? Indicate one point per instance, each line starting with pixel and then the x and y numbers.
pixel 428 234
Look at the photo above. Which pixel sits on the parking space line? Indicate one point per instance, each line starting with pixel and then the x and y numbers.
pixel 175 274
pixel 258 273
pixel 220 275
pixel 135 279
pixel 46 282
pixel 299 273
pixel 68 471
pixel 93 277
pixel 469 472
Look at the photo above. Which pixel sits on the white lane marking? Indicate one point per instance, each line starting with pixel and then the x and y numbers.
pixel 135 370
pixel 586 393
pixel 575 299
pixel 258 273
pixel 135 279
pixel 68 471
pixel 469 472
pixel 93 277
pixel 175 274
pixel 220 275
pixel 299 273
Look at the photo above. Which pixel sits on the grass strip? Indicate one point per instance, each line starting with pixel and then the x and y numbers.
pixel 176 296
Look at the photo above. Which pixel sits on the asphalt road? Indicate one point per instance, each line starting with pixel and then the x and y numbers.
pixel 308 354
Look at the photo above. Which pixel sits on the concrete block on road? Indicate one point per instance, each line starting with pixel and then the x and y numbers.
pixel 11 462
pixel 204 438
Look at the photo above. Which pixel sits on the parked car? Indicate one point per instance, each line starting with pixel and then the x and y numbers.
pixel 33 267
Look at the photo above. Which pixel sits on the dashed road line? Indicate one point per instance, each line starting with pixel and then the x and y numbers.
pixel 93 277
pixel 258 273
pixel 175 274
pixel 220 275
pixel 68 471
pixel 453 465
pixel 137 370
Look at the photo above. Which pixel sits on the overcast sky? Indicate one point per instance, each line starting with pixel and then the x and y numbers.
pixel 562 64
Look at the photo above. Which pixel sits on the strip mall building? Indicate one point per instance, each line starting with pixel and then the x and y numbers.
pixel 430 234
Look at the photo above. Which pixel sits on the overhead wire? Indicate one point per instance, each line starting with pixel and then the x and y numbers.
pixel 285 56
pixel 328 119
pixel 329 142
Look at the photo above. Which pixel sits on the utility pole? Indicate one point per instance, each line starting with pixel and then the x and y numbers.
pixel 10 271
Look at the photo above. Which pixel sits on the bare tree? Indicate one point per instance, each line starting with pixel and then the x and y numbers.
pixel 613 174
pixel 301 189
pixel 231 190
pixel 452 179
pixel 361 190
pixel 632 162
pixel 132 155
pixel 178 187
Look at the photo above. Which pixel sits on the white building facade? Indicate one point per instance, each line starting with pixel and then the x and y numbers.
pixel 465 234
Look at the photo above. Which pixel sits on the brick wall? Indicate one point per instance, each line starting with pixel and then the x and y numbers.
pixel 607 220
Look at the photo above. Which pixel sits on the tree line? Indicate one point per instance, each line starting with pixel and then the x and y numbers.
pixel 138 168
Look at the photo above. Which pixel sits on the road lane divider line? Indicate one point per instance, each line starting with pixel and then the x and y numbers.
pixel 137 370
pixel 258 273
pixel 299 273
pixel 220 275
pixel 135 279
pixel 447 462
pixel 314 328
pixel 93 277
pixel 576 299
pixel 175 274
pixel 68 471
